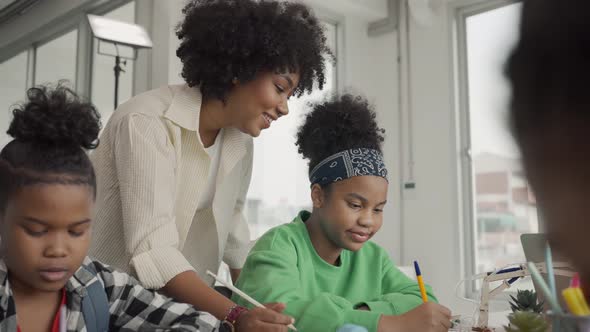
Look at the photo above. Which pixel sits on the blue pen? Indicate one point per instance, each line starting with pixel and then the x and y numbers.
pixel 512 269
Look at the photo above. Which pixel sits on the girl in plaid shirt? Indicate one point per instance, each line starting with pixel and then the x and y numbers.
pixel 47 191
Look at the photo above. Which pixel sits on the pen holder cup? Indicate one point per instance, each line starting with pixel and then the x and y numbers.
pixel 569 322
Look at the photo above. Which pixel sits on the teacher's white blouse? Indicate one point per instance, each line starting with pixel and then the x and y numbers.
pixel 151 170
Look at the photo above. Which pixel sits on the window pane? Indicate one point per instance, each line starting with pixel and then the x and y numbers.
pixel 103 75
pixel 280 187
pixel 12 90
pixel 504 204
pixel 56 60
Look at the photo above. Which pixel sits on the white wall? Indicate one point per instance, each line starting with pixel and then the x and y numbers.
pixel 370 68
pixel 431 228
pixel 433 231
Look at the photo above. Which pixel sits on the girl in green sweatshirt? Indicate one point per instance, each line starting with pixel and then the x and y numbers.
pixel 322 265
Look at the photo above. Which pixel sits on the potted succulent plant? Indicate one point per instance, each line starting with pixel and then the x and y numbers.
pixel 526 300
pixel 526 313
pixel 526 321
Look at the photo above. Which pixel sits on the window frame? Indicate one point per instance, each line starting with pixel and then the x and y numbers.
pixel 328 16
pixel 32 65
pixel 467 176
pixel 67 22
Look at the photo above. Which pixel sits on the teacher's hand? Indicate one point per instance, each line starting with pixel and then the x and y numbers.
pixel 269 319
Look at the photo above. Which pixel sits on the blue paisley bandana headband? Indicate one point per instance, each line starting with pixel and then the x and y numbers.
pixel 348 163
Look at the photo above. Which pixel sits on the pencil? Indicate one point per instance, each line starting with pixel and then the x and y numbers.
pixel 243 295
pixel 420 282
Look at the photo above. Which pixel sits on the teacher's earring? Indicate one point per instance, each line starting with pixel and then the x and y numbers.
pixel 234 80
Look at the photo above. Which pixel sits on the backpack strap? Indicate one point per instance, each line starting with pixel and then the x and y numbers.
pixel 95 305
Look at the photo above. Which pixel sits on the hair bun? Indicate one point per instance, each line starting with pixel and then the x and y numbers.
pixel 55 116
pixel 338 123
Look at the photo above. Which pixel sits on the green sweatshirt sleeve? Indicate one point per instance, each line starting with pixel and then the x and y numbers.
pixel 400 293
pixel 272 276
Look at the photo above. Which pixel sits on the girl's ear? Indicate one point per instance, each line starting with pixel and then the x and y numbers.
pixel 318 196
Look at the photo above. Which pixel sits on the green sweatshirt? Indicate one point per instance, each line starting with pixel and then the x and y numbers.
pixel 284 267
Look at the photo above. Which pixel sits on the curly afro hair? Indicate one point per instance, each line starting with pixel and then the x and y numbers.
pixel 51 132
pixel 341 123
pixel 226 39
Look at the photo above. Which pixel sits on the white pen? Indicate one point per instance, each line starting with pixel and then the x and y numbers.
pixel 243 295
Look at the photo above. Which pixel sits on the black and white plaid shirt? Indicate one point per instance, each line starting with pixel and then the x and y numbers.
pixel 132 307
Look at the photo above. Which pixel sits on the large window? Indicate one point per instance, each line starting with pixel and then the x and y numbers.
pixel 56 59
pixel 280 187
pixel 12 89
pixel 48 62
pixel 502 205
